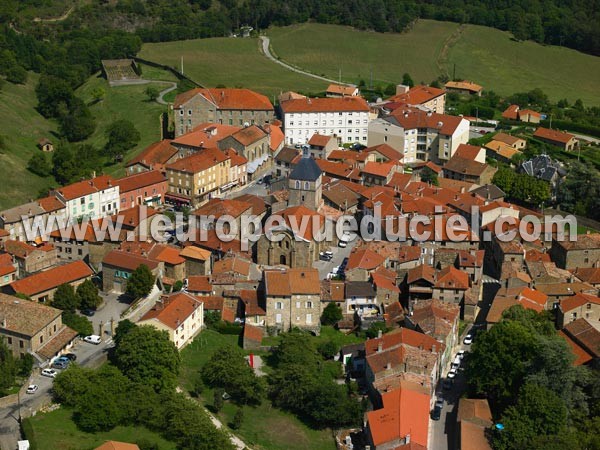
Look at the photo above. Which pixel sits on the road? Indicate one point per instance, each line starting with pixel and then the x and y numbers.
pixel 339 254
pixel 88 355
pixel 265 41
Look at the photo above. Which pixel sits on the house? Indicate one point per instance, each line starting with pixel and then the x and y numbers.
pixel 321 146
pixel 469 170
pixel 181 315
pixel 284 161
pixel 205 136
pixel 347 118
pixel 579 306
pixel 561 139
pixel 506 298
pixel 251 142
pixel 427 97
pixel 197 260
pixel 118 265
pixel 388 292
pixel 586 337
pixel 195 179
pixel 31 258
pixel 31 327
pixel 420 281
pixel 450 285
pixel 209 214
pixel 590 275
pixel 341 197
pixel 420 135
pixel 464 87
pixel 238 170
pixel 293 299
pixel 361 298
pixel 501 151
pixel 115 445
pixel 515 142
pixel 144 188
pixel 8 269
pixel 439 320
pixel 42 285
pixel 384 153
pixel 584 252
pixel 89 199
pixel 154 157
pixel 339 90
pixel 545 168
pixel 379 173
pixel 11 220
pixel 514 112
pixel 251 337
pixel 45 145
pixel 474 418
pixel 220 105
pixel 361 262
pixel 403 420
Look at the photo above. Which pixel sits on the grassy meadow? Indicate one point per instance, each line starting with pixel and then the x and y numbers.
pixel 230 62
pixel 485 55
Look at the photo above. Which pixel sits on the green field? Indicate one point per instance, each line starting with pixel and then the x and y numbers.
pixel 230 62
pixel 56 430
pixel 22 126
pixel 264 427
pixel 485 55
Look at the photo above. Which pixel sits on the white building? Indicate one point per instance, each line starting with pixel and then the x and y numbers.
pixel 89 199
pixel 419 134
pixel 347 118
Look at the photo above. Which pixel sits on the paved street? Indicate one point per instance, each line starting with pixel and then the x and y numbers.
pixel 339 254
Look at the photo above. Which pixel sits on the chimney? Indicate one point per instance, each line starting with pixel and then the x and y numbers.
pixel 388 366
pixel 379 334
pixel 379 347
pixel 433 348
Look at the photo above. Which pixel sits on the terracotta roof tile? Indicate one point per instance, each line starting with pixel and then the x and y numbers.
pixel 292 281
pixel 553 135
pixel 173 310
pixel 140 180
pixel 581 355
pixel 157 153
pixel 364 259
pixel 418 95
pixel 52 278
pixel 128 261
pixel 24 316
pixel 325 105
pixel 206 135
pixel 199 162
pixel 249 135
pixel 86 187
pixel 221 207
pixel 199 283
pixel 253 333
pixel 464 85
pixel 319 140
pixel 227 98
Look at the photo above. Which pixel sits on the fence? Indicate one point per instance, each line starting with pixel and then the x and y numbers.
pixel 175 72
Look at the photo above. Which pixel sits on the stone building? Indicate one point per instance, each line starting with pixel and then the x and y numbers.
pixel 293 299
pixel 223 106
pixel 305 183
pixel 584 252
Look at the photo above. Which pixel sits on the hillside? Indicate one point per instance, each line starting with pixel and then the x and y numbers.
pixel 485 55
pixel 229 62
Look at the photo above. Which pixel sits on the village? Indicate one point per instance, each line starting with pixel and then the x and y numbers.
pixel 418 305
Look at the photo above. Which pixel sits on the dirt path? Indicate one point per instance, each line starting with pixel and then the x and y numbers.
pixel 442 59
pixel 57 19
pixel 265 46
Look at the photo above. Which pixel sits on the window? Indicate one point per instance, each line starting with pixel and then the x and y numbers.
pixel 309 318
pixel 41 339
pixel 309 304
pixel 278 305
pixel 277 318
pixel 21 343
pixel 306 185
pixel 9 340
pixel 297 304
pixel 297 184
pixel 189 112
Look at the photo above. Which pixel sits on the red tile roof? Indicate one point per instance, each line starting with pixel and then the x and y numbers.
pixel 128 261
pixel 140 180
pixel 173 310
pixel 577 300
pixel 221 207
pixel 422 272
pixel 553 135
pixel 249 135
pixel 403 336
pixel 157 153
pixel 167 254
pixel 50 279
pixel 206 135
pixel 277 137
pixel 452 278
pixel 385 150
pixel 294 218
pixel 412 118
pixel 418 95
pixel 199 162
pixel 86 187
pixel 199 283
pixel 50 203
pixel 292 281
pixel 464 86
pixel 227 98
pixel 405 412
pixel 319 140
pixel 325 105
pixel 380 169
pixel 581 354
pixel 232 265
pixel 341 89
pixel 511 113
pixel 364 259
pixel 253 333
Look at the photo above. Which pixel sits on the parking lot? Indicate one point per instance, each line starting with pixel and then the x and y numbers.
pixel 339 253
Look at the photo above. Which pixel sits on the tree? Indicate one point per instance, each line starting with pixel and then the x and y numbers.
pixel 124 327
pixel 77 123
pixel 16 74
pixel 122 136
pixel 152 93
pixel 238 419
pixel 65 298
pixel 39 164
pixel 146 355
pixel 98 94
pixel 177 286
pixel 407 80
pixel 429 176
pixel 25 365
pixel 375 328
pixel 218 399
pixel 140 283
pixel 332 314
pixel 71 384
pixel 7 368
pixel 328 349
pixel 88 295
pixel 228 369
pixel 538 412
pixel 81 324
pixel 53 94
pixel 65 166
pixel 390 90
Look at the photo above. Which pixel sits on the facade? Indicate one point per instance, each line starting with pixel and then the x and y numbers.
pixel 41 286
pixel 347 118
pixel 420 135
pixel 89 199
pixel 30 327
pixel 293 299
pixel 145 188
pixel 181 315
pixel 305 183
pixel 579 306
pixel 37 212
pixel 118 265
pixel 584 252
pixel 223 106
pixel 468 170
pixel 29 258
pixel 197 178
pixel 252 143
pixel 284 161
pixel 321 146
pixel 464 87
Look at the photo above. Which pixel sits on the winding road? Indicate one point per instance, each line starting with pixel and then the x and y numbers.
pixel 265 46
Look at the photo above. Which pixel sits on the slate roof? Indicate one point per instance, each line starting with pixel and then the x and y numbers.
pixel 543 167
pixel 306 170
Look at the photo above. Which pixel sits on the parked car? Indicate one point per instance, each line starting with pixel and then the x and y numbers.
pixel 343 244
pixel 93 339
pixel 325 257
pixel 452 373
pixel 49 373
pixel 71 356
pixel 88 312
pixel 60 364
pixel 447 384
pixel 436 413
pixel 461 354
pixel 259 181
pixel 439 403
pixel 468 339
pixel 32 388
pixel 329 253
